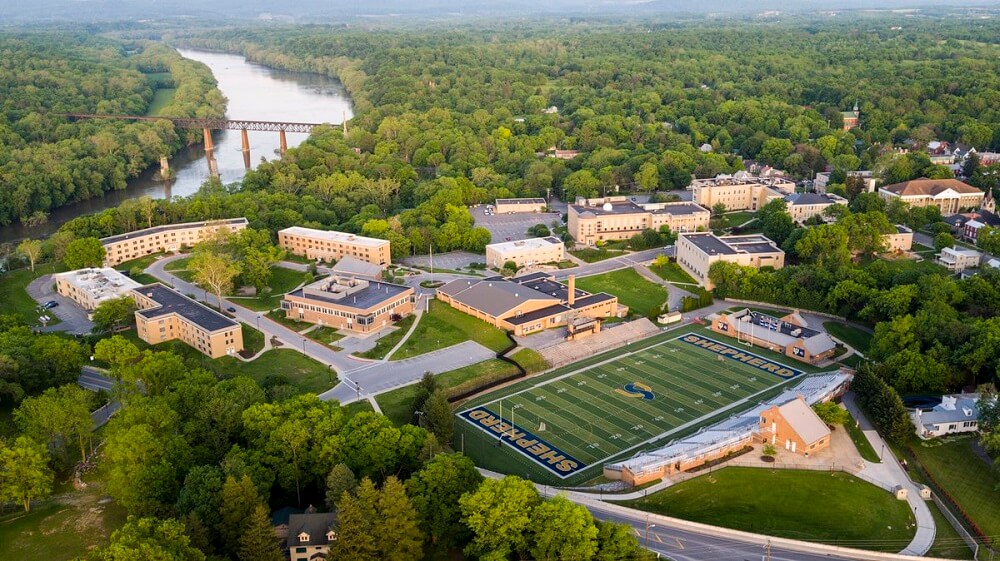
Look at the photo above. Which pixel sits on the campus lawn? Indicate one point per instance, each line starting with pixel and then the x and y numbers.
pixel 947 543
pixel 739 218
pixel 396 403
pixel 387 342
pixel 849 334
pixel 253 340
pixel 15 297
pixel 640 295
pixel 965 476
pixel 672 272
pixel 326 335
pixel 179 268
pixel 63 527
pixel 530 360
pixel 861 442
pixel 592 255
pixel 810 505
pixel 444 326
pixel 279 316
pixel 282 281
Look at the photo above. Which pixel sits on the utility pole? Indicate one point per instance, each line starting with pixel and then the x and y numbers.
pixel 767 551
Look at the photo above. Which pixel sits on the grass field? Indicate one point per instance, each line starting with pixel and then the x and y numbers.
pixel 596 413
pixel 640 295
pixel 387 342
pixel 849 334
pixel 672 272
pixel 444 326
pixel 965 476
pixel 834 508
pixel 593 255
pixel 161 97
pixel 861 442
pixel 15 297
pixel 947 543
pixel 326 335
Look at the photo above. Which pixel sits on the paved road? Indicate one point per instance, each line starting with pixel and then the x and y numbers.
pixel 94 379
pixel 73 318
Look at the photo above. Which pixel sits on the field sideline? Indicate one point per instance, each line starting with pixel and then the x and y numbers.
pixel 587 416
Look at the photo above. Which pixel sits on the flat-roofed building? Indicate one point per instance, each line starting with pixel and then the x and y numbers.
pixel 164 314
pixel 697 252
pixel 617 218
pixel 741 191
pixel 957 259
pixel 533 204
pixel 528 303
pixel 899 241
pixel 803 206
pixel 823 180
pixel 525 253
pixel 91 287
pixel 949 195
pixel 169 238
pixel 328 245
pixel 788 335
pixel 350 303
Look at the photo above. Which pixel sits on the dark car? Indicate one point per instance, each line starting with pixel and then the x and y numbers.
pixel 50 304
pixel 231 310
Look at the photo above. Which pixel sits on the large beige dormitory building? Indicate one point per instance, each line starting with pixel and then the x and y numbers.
pixel 949 195
pixel 165 314
pixel 525 253
pixel 92 287
pixel 617 218
pixel 697 252
pixel 803 206
pixel 327 245
pixel 355 304
pixel 159 239
pixel 740 191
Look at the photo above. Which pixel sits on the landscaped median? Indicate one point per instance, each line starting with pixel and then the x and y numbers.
pixel 828 507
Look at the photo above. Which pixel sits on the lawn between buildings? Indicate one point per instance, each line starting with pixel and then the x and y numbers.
pixel 834 508
pixel 586 417
pixel 442 326
pixel 14 294
pixel 640 295
pixel 849 334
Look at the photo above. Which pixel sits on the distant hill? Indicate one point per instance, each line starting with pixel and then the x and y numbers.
pixel 343 10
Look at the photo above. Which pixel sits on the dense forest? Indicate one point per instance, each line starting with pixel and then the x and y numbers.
pixel 45 161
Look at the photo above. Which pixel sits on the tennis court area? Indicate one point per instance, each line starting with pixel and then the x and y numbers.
pixel 582 418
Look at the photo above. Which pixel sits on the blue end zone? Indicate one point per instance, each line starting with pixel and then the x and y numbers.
pixel 536 449
pixel 740 355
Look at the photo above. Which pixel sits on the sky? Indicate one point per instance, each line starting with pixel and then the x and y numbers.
pixel 347 10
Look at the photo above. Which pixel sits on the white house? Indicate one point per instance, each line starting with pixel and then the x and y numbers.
pixel 957 413
pixel 957 259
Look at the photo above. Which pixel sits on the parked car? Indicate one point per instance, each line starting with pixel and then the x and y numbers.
pixel 50 304
pixel 231 310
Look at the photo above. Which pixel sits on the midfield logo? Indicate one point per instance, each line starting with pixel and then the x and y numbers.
pixel 637 389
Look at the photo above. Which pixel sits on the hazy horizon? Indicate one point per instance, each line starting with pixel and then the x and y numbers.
pixel 306 11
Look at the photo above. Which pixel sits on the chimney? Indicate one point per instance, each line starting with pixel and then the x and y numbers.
pixel 572 290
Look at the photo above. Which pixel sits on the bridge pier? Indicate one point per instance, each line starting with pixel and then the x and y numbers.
pixel 283 141
pixel 213 166
pixel 246 148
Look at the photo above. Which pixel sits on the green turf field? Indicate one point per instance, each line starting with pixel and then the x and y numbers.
pixel 600 411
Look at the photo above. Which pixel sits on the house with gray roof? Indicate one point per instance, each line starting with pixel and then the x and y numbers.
pixel 956 414
pixel 310 535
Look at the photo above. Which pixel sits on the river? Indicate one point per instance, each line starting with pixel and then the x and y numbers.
pixel 255 92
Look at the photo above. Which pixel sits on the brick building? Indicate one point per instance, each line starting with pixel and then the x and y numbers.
pixel 328 245
pixel 161 239
pixel 164 315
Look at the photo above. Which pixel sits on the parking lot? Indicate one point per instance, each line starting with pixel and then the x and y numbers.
pixel 508 227
pixel 74 318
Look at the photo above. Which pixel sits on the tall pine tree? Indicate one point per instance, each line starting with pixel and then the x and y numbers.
pixel 258 542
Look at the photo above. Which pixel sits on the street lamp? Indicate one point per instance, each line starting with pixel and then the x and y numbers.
pixel 648 526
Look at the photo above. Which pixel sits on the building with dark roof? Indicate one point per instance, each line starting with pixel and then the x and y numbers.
pixel 617 218
pixel 803 206
pixel 160 239
pixel 697 252
pixel 164 314
pixel 527 304
pixel 351 303
pixel 310 535
pixel 949 195
pixel 788 335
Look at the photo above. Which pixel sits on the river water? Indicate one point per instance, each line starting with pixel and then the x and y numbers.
pixel 254 92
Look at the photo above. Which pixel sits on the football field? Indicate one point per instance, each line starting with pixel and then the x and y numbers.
pixel 582 418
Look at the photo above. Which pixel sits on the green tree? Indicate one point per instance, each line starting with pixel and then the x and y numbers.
pixel 499 514
pixel 113 314
pixel 943 240
pixel 237 502
pixel 59 417
pixel 143 463
pixel 988 240
pixel 616 542
pixel 148 538
pixel 84 252
pixel 340 480
pixel 215 272
pixel 24 472
pixel 718 209
pixel 831 413
pixel 355 518
pixel 562 530
pixel 258 542
pixel 648 177
pixel 31 250
pixel 826 246
pixel 440 419
pixel 775 221
pixel 435 491
pixel 396 524
pixel 116 351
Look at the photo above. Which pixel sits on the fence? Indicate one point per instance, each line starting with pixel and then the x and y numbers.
pixel 956 524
